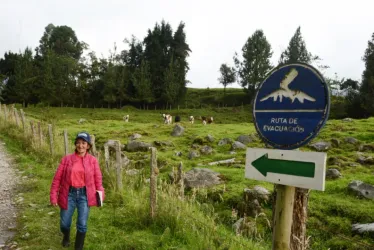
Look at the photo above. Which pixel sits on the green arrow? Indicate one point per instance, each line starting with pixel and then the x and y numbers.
pixel 298 168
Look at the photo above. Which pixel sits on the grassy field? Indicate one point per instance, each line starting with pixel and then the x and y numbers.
pixel 205 220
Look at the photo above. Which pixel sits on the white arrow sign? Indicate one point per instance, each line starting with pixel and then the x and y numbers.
pixel 287 167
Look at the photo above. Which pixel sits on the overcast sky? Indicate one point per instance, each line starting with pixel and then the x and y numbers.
pixel 337 31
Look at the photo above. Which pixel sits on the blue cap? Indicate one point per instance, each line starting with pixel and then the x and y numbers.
pixel 84 136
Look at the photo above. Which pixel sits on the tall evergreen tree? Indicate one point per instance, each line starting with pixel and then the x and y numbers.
pixel 25 76
pixel 228 76
pixel 171 91
pixel 142 83
pixel 62 40
pixel 296 50
pixel 181 51
pixel 256 54
pixel 367 86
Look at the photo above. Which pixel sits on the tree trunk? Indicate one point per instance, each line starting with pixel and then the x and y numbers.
pixel 299 239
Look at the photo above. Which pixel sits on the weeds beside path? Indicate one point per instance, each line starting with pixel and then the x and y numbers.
pixel 8 182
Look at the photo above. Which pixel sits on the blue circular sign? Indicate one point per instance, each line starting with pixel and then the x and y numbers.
pixel 291 106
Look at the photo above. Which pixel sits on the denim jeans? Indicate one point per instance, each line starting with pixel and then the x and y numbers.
pixel 77 199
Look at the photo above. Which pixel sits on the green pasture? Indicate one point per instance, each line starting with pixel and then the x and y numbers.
pixel 205 220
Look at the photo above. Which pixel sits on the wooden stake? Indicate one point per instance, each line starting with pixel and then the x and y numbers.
pixel 181 180
pixel 66 142
pixel 5 113
pixel 23 120
pixel 106 155
pixel 17 117
pixel 118 166
pixel 32 130
pixel 50 139
pixel 153 182
pixel 40 132
pixel 283 217
pixel 94 152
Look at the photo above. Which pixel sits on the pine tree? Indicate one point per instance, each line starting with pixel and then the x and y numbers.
pixel 367 87
pixel 256 54
pixel 296 50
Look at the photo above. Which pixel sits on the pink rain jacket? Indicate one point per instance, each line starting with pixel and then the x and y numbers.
pixel 62 181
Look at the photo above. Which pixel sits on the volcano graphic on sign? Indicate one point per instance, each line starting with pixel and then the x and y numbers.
pixel 286 92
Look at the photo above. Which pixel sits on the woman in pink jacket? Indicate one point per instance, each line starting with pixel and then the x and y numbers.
pixel 77 179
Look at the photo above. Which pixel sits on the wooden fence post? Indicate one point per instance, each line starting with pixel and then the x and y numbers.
pixel 50 138
pixel 106 155
pixel 40 133
pixel 5 113
pixel 153 182
pixel 32 130
pixel 66 142
pixel 94 152
pixel 118 166
pixel 181 180
pixel 17 117
pixel 283 217
pixel 11 113
pixel 23 120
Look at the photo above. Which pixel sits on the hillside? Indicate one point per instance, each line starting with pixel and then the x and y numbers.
pixel 206 220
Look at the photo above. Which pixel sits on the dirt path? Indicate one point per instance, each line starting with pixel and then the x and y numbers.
pixel 8 179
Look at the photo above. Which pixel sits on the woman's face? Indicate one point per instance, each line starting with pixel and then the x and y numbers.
pixel 82 146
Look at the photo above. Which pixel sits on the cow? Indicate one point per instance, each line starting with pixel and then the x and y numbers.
pixel 177 118
pixel 167 118
pixel 206 120
pixel 191 119
pixel 126 118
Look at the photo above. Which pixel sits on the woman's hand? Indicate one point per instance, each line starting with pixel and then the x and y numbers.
pixel 54 204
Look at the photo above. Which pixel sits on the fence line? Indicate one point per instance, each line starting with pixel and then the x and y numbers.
pixel 31 134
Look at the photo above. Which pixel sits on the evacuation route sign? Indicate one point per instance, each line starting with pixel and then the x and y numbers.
pixel 287 167
pixel 291 106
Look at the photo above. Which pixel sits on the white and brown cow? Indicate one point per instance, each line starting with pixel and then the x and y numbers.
pixel 191 119
pixel 167 118
pixel 126 118
pixel 206 120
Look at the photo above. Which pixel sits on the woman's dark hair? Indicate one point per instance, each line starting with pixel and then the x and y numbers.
pixel 88 150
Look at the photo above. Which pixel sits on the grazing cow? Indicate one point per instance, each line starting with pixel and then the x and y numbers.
pixel 126 118
pixel 177 118
pixel 206 120
pixel 167 118
pixel 191 119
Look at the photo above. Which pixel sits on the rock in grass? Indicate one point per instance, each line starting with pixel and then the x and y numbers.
pixel 347 120
pixel 209 138
pixel 332 174
pixel 135 136
pixel 164 143
pixel 258 192
pixel 238 145
pixel 201 177
pixel 321 146
pixel 133 146
pixel 178 130
pixel 362 189
pixel 351 140
pixel 363 228
pixel 224 141
pixel 245 139
pixel 206 150
pixel 367 148
pixel 193 154
pixel 335 142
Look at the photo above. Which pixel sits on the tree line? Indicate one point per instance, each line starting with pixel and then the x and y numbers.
pixel 152 70
pixel 349 97
pixel 63 71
